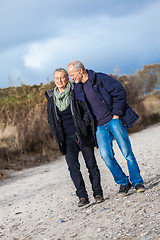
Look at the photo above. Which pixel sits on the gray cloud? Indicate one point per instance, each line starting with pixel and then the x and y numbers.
pixel 27 20
pixel 39 36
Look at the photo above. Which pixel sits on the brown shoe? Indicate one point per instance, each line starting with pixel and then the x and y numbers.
pixel 140 188
pixel 123 190
pixel 99 199
pixel 83 202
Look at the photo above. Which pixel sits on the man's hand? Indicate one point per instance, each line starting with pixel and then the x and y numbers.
pixel 115 117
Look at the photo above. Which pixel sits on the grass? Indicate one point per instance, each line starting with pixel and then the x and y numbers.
pixel 25 137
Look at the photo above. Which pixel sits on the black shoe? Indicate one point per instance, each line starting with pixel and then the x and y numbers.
pixel 83 202
pixel 123 190
pixel 140 188
pixel 99 199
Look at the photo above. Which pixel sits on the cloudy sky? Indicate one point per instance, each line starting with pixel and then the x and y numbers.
pixel 37 36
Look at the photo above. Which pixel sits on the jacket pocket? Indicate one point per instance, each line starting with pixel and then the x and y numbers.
pixel 130 117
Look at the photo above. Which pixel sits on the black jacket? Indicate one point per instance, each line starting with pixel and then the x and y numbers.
pixel 80 116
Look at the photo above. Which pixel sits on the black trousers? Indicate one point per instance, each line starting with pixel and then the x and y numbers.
pixel 72 150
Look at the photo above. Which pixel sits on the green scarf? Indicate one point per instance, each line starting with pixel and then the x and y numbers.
pixel 62 100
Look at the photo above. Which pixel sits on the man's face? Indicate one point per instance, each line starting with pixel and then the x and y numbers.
pixel 76 75
pixel 60 80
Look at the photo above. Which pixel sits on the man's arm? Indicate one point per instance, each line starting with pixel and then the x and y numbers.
pixel 118 94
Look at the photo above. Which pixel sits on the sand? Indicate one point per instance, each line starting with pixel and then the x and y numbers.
pixel 40 202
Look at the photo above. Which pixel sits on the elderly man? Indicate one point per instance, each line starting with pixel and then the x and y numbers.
pixel 105 100
pixel 70 124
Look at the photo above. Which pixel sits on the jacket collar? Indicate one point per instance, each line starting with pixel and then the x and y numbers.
pixel 91 75
pixel 49 93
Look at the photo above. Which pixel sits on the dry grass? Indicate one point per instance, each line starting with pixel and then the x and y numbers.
pixel 9 138
pixel 148 108
pixel 25 137
pixel 24 130
pixel 152 104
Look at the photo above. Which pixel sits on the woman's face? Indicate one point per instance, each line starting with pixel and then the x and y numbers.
pixel 61 80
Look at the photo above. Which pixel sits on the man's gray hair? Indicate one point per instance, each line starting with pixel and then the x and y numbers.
pixel 76 65
pixel 61 70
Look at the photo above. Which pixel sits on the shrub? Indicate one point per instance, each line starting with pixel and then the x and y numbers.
pixel 24 130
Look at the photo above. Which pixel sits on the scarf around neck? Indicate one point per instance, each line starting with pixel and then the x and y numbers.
pixel 62 100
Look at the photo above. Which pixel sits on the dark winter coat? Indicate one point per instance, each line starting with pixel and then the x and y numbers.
pixel 80 116
pixel 112 94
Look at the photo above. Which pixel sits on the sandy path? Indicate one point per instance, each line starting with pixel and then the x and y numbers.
pixel 40 203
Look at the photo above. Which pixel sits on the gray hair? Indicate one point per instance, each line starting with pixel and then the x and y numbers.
pixel 61 70
pixel 76 65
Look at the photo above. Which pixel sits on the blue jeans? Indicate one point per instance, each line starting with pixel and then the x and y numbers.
pixel 72 151
pixel 105 134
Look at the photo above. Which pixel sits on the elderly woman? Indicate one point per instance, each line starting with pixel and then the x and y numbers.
pixel 70 125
